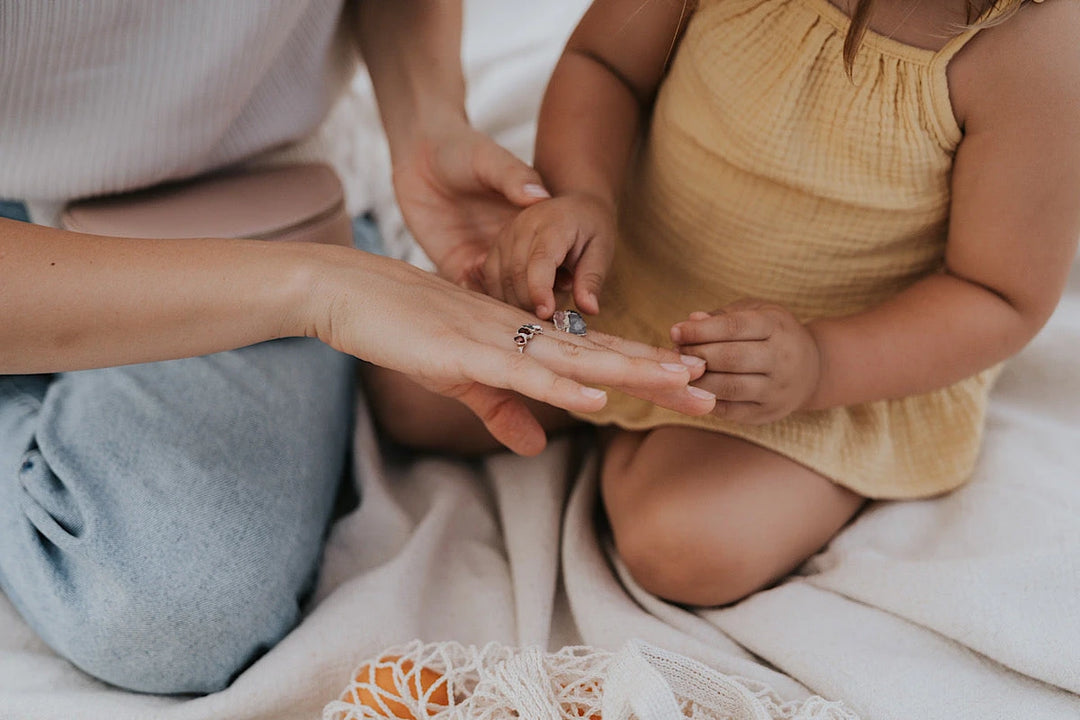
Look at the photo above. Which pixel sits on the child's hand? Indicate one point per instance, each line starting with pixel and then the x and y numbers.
pixel 761 362
pixel 574 234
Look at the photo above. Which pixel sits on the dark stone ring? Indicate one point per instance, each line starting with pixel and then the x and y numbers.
pixel 525 333
pixel 569 321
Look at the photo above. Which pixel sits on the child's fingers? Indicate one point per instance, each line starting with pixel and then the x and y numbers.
pixel 736 356
pixel 747 413
pixel 736 325
pixel 539 286
pixel 589 275
pixel 734 387
pixel 538 263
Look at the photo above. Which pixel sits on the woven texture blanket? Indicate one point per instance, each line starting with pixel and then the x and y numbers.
pixel 964 607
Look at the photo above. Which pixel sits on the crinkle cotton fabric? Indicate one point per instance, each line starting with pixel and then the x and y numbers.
pixel 769 173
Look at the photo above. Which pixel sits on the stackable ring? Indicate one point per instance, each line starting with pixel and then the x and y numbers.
pixel 525 333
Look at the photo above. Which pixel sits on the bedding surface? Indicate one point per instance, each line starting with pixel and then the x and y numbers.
pixel 962 607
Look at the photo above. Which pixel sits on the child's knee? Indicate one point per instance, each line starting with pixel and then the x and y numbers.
pixel 674 557
pixel 415 417
pixel 687 570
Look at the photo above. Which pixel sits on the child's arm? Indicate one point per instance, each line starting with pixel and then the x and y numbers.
pixel 1015 220
pixel 589 122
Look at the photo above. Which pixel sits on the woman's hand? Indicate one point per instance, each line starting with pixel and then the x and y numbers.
pixel 461 344
pixel 457 189
pixel 572 233
pixel 762 363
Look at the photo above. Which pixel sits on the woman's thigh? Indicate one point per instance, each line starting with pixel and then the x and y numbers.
pixel 160 523
pixel 705 519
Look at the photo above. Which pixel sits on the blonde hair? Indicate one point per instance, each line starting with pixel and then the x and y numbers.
pixel 977 10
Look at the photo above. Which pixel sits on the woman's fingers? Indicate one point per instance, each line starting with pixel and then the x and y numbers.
pixel 633 348
pixel 505 416
pixel 499 169
pixel 663 382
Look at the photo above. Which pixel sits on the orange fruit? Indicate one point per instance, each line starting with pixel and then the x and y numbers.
pixel 381 674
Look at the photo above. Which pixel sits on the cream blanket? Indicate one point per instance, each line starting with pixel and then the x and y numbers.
pixel 966 607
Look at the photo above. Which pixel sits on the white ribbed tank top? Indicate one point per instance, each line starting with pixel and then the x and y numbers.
pixel 101 96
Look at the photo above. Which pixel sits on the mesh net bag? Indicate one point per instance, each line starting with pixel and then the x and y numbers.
pixel 450 681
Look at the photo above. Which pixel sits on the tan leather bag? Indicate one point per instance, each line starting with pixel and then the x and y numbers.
pixel 303 203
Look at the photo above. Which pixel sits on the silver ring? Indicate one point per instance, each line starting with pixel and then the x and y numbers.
pixel 569 321
pixel 525 333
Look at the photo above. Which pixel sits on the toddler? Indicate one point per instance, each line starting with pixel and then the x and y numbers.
pixel 851 213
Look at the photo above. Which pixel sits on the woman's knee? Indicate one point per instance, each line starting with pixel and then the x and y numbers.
pixel 166 631
pixel 159 595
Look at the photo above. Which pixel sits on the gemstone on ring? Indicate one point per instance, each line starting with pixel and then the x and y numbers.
pixel 525 333
pixel 569 321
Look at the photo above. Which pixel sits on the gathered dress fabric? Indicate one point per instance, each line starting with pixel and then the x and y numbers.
pixel 768 172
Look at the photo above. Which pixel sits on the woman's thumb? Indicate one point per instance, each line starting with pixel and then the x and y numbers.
pixel 505 173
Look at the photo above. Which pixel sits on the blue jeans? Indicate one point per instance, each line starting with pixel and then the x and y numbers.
pixel 162 523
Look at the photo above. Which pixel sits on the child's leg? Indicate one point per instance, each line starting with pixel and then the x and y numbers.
pixel 411 415
pixel 706 519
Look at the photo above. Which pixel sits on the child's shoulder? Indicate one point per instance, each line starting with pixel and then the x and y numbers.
pixel 1032 56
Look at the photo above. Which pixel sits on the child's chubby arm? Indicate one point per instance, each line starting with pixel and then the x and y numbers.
pixel 1013 230
pixel 601 87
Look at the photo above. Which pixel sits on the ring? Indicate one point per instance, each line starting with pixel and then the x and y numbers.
pixel 525 333
pixel 569 321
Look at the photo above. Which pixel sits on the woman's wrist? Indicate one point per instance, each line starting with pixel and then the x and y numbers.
pixel 423 131
pixel 311 288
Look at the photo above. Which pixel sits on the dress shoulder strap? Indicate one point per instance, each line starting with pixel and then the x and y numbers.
pixel 938 85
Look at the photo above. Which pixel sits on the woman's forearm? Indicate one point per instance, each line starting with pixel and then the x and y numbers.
pixel 412 49
pixel 71 301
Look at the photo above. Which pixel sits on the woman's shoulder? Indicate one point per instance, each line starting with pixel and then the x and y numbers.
pixel 1028 64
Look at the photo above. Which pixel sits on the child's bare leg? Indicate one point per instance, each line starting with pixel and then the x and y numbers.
pixel 411 415
pixel 706 519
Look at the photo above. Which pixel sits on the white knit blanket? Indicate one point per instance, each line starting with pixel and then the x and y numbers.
pixel 960 608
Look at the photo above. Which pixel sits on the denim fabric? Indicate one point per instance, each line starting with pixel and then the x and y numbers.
pixel 161 523
pixel 13 210
pixel 366 235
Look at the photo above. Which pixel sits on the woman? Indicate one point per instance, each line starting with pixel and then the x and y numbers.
pixel 174 414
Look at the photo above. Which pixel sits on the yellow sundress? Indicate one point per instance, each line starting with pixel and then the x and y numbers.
pixel 768 173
